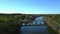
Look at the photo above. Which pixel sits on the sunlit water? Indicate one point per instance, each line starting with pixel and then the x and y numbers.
pixel 35 29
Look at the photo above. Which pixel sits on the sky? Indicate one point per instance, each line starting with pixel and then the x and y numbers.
pixel 30 6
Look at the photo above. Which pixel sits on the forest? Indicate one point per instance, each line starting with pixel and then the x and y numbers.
pixel 12 22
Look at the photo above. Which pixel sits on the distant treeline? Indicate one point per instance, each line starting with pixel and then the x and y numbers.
pixel 15 17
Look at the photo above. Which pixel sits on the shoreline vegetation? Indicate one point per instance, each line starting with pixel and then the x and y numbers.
pixel 11 23
pixel 53 21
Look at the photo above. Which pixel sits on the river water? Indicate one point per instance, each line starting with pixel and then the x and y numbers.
pixel 35 29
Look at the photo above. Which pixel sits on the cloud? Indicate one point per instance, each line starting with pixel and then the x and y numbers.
pixel 28 12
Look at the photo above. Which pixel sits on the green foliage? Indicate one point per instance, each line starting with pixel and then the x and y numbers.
pixel 54 17
pixel 10 22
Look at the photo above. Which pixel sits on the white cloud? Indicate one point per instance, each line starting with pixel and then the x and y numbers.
pixel 28 12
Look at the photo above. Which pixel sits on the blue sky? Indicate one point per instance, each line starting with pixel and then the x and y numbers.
pixel 30 6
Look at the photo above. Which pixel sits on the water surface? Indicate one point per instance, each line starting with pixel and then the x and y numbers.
pixel 35 29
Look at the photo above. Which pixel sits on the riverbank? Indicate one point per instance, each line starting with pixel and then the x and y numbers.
pixel 51 31
pixel 53 22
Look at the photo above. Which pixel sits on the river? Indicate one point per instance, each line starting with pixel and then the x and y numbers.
pixel 42 29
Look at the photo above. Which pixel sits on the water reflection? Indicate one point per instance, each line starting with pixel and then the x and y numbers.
pixel 40 29
pixel 39 18
pixel 37 21
pixel 34 30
